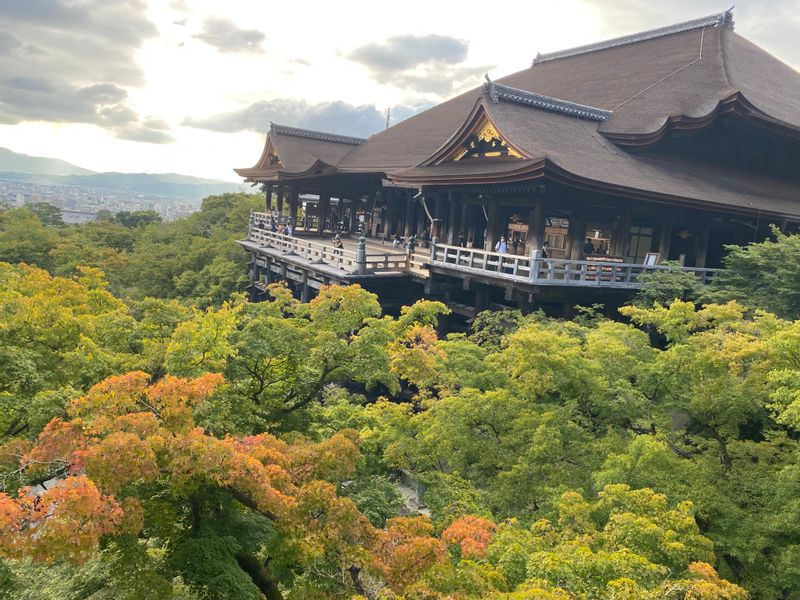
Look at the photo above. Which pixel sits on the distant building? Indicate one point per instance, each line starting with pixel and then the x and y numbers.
pixel 77 217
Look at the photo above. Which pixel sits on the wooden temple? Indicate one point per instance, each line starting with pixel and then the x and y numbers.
pixel 559 184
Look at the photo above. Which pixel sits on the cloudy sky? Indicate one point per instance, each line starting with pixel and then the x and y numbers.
pixel 190 86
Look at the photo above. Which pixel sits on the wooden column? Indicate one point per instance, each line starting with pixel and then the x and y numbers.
pixel 536 225
pixel 294 201
pixel 492 225
pixel 463 221
pixel 268 271
pixel 280 201
pixel 422 218
pixel 388 214
pixel 621 233
pixel 452 223
pixel 702 245
pixel 268 198
pixel 664 240
pixel 437 229
pixel 322 211
pixel 577 235
pixel 407 225
pixel 305 290
pixel 353 222
pixel 373 218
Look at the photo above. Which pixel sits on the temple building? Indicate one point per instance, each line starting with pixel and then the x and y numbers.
pixel 556 185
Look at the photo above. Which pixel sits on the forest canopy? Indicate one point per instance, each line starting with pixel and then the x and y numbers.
pixel 163 437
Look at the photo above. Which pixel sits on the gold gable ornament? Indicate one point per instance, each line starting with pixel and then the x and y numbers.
pixel 486 142
pixel 272 158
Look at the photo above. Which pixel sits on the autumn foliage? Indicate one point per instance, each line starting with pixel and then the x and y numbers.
pixel 471 534
pixel 126 433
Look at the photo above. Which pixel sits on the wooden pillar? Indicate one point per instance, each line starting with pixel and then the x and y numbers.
pixel 305 290
pixel 294 201
pixel 280 201
pixel 340 210
pixel 407 225
pixel 254 279
pixel 422 217
pixel 322 211
pixel 388 214
pixel 701 250
pixel 268 198
pixel 664 240
pixel 577 235
pixel 268 270
pixel 536 225
pixel 492 225
pixel 373 217
pixel 463 221
pixel 481 298
pixel 621 233
pixel 437 229
pixel 353 220
pixel 452 223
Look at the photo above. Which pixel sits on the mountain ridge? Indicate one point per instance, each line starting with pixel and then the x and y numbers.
pixel 53 171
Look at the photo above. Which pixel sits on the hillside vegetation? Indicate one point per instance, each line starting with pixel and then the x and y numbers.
pixel 162 437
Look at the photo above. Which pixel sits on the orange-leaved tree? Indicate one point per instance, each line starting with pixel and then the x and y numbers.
pixel 129 460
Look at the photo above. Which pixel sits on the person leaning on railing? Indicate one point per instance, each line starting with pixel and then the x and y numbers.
pixel 337 244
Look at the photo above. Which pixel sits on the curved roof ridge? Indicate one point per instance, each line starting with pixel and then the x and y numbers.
pixel 498 91
pixel 315 135
pixel 723 19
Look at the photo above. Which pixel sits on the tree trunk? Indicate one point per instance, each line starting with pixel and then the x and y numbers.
pixel 260 575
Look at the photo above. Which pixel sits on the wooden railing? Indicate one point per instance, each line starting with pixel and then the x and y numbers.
pixel 532 270
pixel 358 262
pixel 550 271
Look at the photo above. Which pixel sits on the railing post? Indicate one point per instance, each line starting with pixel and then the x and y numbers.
pixel 361 256
pixel 433 249
pixel 536 260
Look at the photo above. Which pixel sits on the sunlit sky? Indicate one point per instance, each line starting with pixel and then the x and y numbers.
pixel 189 86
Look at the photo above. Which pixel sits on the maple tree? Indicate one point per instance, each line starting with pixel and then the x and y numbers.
pixel 208 447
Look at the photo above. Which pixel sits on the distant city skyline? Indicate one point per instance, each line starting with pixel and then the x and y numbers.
pixel 190 87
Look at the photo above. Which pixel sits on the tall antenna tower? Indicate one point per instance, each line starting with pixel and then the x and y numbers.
pixel 388 116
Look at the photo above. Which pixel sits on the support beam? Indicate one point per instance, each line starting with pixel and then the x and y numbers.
pixel 305 290
pixel 621 233
pixel 577 235
pixel 407 224
pixel 294 202
pixel 422 218
pixel 481 297
pixel 254 278
pixel 322 211
pixel 390 214
pixel 492 225
pixel 437 225
pixel 280 201
pixel 268 271
pixel 701 250
pixel 268 198
pixel 664 240
pixel 353 224
pixel 452 223
pixel 536 222
pixel 463 221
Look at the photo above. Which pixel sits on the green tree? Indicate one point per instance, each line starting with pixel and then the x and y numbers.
pixel 762 275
